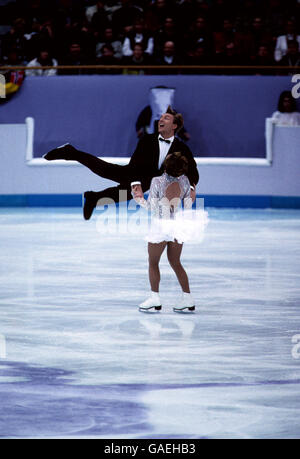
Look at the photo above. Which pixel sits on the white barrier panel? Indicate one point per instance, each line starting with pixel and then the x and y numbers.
pixel 274 175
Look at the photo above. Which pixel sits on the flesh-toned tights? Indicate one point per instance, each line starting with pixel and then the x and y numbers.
pixel 174 250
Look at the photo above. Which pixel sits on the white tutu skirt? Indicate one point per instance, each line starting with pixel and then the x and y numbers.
pixel 187 226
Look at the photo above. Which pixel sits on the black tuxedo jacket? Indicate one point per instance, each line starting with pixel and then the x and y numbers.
pixel 143 165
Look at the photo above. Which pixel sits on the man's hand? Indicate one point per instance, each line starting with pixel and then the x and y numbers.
pixel 137 191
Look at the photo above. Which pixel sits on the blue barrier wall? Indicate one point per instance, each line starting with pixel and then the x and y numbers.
pixel 225 115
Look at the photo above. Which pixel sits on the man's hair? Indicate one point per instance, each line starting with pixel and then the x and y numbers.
pixel 176 164
pixel 178 118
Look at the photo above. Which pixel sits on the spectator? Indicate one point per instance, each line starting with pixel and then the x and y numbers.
pixel 247 10
pixel 286 113
pixel 198 56
pixel 108 58
pixel 257 35
pixel 91 10
pixel 200 34
pixel 40 36
pixel 110 7
pixel 97 16
pixel 230 57
pixel 34 30
pixel 169 57
pixel 79 31
pixel 275 13
pixel 224 37
pixel 260 32
pixel 12 58
pixel 108 38
pixel 33 9
pixel 185 13
pixel 7 10
pixel 15 39
pixel 296 14
pixel 282 41
pixel 220 11
pixel 247 24
pixel 292 57
pixel 139 57
pixel 75 57
pixel 124 17
pixel 168 33
pixel 99 21
pixel 156 14
pixel 138 35
pixel 263 57
pixel 44 59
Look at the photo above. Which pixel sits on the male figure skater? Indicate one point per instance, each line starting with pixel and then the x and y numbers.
pixel 145 163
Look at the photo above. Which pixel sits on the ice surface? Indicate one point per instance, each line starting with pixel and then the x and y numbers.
pixel 77 359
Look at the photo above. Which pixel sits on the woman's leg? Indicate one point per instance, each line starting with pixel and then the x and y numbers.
pixel 155 251
pixel 174 252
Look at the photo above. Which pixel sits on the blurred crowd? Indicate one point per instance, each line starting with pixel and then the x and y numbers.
pixel 37 33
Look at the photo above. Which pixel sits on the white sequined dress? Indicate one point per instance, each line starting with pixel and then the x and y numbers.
pixel 173 218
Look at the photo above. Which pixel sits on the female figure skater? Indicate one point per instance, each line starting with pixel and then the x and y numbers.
pixel 167 229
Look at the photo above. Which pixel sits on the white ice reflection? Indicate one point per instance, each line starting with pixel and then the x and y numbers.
pixel 70 329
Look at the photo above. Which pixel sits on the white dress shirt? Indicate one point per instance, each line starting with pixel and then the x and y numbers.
pixel 282 46
pixel 127 51
pixel 169 59
pixel 40 72
pixel 164 148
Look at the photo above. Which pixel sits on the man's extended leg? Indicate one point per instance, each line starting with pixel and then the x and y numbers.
pixel 102 168
pixel 116 193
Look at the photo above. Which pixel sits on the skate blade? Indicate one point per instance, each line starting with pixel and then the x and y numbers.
pixel 187 310
pixel 151 310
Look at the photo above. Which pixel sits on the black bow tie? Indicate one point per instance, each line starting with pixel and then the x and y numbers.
pixel 164 140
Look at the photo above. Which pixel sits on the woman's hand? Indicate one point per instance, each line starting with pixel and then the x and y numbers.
pixel 137 192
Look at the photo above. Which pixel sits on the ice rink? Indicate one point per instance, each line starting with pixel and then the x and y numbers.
pixel 77 359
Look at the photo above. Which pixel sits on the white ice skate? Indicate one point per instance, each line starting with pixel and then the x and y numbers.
pixel 152 303
pixel 186 304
